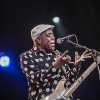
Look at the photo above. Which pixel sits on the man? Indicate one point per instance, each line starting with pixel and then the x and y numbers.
pixel 44 67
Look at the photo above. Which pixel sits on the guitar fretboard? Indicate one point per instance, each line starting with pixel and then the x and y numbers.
pixel 77 83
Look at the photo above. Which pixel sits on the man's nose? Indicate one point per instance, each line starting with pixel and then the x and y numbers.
pixel 53 37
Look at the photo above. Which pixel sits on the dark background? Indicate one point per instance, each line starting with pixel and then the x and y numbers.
pixel 18 17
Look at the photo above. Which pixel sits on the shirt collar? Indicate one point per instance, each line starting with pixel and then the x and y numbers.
pixel 35 49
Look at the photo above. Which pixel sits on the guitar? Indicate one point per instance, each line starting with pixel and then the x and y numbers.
pixel 66 93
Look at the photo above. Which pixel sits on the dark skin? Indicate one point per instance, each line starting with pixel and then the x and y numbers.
pixel 46 42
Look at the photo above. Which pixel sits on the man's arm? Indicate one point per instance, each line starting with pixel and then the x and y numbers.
pixel 39 76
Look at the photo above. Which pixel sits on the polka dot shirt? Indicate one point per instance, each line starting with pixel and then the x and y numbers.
pixel 42 77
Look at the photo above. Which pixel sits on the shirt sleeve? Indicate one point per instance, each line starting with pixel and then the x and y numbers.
pixel 32 70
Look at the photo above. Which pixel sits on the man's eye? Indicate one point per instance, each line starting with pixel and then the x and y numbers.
pixel 49 35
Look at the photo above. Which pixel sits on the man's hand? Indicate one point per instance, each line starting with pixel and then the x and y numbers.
pixel 61 59
pixel 83 57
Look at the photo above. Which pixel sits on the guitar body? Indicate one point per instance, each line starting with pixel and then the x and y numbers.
pixel 58 91
pixel 61 93
pixel 56 95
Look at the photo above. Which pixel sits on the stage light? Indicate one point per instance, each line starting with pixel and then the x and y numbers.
pixel 4 61
pixel 56 19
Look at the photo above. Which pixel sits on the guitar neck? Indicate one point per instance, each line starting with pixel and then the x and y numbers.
pixel 77 83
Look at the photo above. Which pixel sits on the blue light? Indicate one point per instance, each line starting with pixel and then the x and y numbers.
pixel 4 61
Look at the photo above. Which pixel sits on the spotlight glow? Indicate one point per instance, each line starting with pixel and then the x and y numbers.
pixel 4 61
pixel 56 19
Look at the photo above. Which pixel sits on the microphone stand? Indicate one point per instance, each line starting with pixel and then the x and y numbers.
pixel 84 47
pixel 98 71
pixel 96 59
pixel 95 53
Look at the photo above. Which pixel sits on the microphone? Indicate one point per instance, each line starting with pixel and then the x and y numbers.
pixel 60 40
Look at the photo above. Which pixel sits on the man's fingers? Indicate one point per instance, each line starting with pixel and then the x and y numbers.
pixel 67 58
pixel 76 56
pixel 85 52
pixel 89 54
pixel 64 54
pixel 76 53
pixel 87 57
pixel 57 53
pixel 82 59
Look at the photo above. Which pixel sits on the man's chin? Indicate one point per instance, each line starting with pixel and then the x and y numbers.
pixel 52 48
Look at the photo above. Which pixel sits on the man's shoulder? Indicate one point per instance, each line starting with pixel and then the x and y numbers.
pixel 26 53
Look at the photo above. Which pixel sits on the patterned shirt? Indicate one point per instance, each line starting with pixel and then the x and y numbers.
pixel 42 77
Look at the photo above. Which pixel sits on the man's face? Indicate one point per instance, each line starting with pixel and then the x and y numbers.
pixel 48 40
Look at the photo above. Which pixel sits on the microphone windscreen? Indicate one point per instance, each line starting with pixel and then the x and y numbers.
pixel 59 41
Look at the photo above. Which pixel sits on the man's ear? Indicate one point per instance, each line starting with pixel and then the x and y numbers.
pixel 39 40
